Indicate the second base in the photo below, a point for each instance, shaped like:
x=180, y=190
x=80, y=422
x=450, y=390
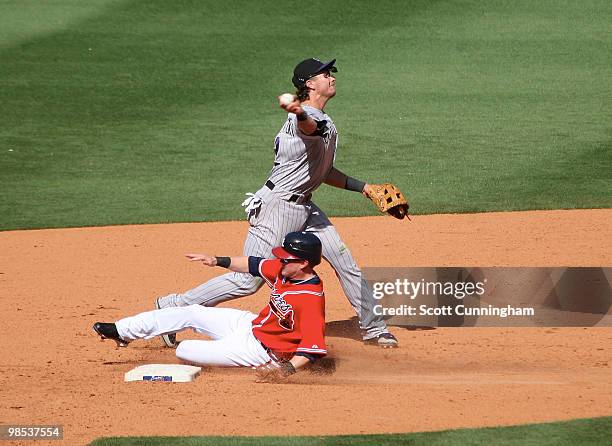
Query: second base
x=177, y=373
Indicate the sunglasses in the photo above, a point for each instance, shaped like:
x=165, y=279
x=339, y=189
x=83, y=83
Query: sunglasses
x=286, y=261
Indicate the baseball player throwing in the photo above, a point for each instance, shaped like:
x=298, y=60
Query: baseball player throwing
x=304, y=148
x=285, y=336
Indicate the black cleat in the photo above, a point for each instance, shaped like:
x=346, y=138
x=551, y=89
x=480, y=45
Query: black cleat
x=108, y=330
x=384, y=340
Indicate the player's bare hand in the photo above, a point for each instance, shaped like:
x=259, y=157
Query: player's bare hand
x=290, y=106
x=274, y=372
x=205, y=259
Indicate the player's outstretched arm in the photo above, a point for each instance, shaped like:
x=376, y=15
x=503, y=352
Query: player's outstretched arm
x=341, y=180
x=299, y=361
x=306, y=124
x=236, y=264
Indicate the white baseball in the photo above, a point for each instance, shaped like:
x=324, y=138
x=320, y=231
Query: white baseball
x=286, y=98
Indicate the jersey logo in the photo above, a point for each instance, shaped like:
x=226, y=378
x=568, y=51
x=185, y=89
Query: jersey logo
x=282, y=310
x=326, y=131
x=323, y=130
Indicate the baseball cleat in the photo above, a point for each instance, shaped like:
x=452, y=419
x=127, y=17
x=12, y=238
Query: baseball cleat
x=108, y=330
x=384, y=340
x=169, y=339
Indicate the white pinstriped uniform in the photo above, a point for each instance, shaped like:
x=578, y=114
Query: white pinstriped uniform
x=301, y=164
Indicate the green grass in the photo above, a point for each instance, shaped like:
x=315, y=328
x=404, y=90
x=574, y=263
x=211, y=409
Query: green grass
x=594, y=431
x=140, y=111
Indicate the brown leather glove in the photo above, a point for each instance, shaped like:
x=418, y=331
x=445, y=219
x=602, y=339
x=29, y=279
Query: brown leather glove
x=388, y=198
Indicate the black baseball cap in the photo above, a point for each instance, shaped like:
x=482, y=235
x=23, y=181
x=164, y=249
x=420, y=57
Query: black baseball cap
x=309, y=68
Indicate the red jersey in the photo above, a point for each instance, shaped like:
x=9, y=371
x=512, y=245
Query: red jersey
x=294, y=320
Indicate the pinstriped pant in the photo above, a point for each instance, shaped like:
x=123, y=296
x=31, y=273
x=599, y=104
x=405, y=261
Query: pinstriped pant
x=275, y=218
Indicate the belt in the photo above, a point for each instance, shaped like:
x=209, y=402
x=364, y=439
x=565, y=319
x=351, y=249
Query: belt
x=295, y=198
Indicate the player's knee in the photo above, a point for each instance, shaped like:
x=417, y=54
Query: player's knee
x=185, y=351
x=250, y=284
x=350, y=269
x=191, y=312
x=253, y=287
x=182, y=350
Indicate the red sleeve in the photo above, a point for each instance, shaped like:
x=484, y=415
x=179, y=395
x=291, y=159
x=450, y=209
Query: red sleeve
x=311, y=320
x=269, y=269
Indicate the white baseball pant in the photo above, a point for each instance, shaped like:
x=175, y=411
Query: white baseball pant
x=233, y=343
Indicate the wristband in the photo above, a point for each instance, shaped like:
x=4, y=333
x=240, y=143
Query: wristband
x=224, y=262
x=354, y=184
x=302, y=116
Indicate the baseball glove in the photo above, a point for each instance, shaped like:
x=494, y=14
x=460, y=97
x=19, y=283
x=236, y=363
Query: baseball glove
x=274, y=372
x=388, y=198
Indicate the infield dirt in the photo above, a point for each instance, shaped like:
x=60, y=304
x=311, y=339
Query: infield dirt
x=56, y=283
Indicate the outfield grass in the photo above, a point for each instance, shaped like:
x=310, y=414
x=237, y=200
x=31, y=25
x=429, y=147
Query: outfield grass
x=593, y=431
x=141, y=111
